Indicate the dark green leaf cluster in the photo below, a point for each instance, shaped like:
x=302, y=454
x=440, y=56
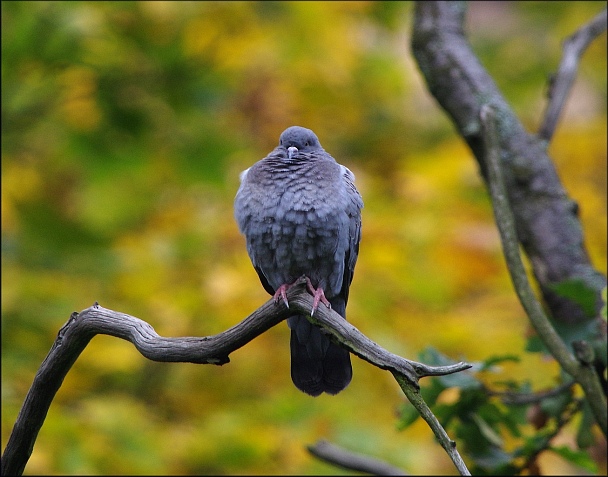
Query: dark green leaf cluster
x=502, y=428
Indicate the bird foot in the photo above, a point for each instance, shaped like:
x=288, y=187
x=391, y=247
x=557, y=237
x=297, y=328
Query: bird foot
x=318, y=296
x=317, y=293
x=281, y=293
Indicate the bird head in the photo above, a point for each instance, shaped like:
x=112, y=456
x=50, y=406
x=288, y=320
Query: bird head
x=298, y=139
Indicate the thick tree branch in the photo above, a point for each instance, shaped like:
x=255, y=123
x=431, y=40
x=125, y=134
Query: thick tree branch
x=546, y=220
x=74, y=336
x=581, y=371
x=559, y=88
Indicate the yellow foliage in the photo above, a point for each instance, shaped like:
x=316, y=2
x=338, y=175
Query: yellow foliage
x=79, y=105
x=125, y=126
x=21, y=182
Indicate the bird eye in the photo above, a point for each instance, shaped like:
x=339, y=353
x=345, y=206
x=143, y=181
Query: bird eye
x=307, y=143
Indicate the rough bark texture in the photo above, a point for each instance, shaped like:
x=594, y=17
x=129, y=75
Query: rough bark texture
x=547, y=220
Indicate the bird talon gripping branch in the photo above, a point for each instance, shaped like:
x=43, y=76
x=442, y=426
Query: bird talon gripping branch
x=281, y=294
x=318, y=296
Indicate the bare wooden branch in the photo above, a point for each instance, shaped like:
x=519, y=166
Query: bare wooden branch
x=74, y=336
x=559, y=88
x=340, y=457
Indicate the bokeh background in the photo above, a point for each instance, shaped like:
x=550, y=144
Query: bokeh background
x=124, y=128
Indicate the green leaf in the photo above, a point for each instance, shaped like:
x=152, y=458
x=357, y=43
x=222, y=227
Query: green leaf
x=535, y=345
x=463, y=380
x=430, y=393
x=580, y=458
x=601, y=351
x=569, y=332
x=584, y=435
x=578, y=291
x=555, y=405
x=494, y=461
x=486, y=430
x=432, y=357
x=497, y=359
x=531, y=445
x=407, y=416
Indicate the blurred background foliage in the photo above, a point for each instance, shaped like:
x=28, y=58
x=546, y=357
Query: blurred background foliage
x=124, y=128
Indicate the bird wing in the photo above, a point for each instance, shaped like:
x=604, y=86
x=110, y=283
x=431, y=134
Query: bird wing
x=264, y=281
x=353, y=209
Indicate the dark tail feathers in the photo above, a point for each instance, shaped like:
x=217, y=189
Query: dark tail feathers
x=317, y=364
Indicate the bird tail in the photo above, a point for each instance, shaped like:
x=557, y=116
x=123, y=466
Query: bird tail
x=317, y=364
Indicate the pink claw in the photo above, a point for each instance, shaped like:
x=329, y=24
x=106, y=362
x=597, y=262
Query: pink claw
x=281, y=293
x=319, y=296
x=317, y=293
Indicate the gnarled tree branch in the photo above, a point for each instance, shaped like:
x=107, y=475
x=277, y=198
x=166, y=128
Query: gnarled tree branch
x=74, y=336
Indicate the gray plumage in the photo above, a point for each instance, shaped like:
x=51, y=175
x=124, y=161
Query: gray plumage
x=301, y=215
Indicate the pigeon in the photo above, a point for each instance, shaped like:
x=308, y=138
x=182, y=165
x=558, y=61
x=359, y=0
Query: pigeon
x=300, y=213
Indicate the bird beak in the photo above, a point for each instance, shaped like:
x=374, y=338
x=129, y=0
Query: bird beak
x=291, y=151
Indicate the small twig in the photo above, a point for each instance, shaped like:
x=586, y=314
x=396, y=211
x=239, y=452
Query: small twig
x=338, y=456
x=582, y=373
x=520, y=399
x=573, y=49
x=425, y=412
